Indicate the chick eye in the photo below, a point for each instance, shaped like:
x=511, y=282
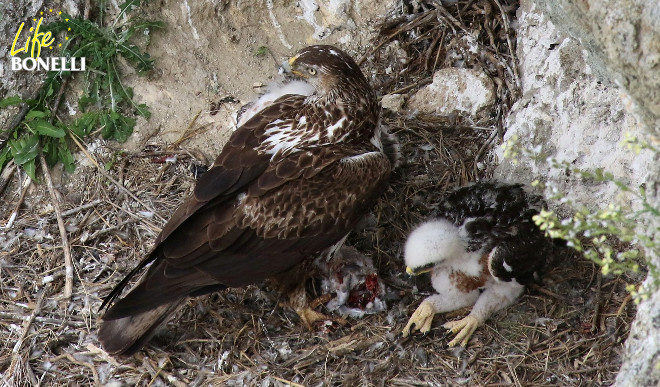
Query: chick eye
x=311, y=70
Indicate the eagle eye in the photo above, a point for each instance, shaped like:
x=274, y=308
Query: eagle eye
x=311, y=70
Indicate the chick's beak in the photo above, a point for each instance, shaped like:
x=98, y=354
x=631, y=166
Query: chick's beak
x=419, y=270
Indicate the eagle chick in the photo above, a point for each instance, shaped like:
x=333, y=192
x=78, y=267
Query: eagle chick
x=481, y=251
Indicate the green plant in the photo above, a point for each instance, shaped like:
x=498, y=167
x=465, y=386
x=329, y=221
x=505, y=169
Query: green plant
x=106, y=103
x=615, y=237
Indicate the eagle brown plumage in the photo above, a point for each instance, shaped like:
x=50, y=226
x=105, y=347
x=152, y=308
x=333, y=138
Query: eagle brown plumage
x=290, y=184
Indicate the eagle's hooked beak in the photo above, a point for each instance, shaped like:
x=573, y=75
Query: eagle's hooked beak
x=288, y=65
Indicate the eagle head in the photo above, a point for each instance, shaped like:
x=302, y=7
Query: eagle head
x=327, y=68
x=432, y=243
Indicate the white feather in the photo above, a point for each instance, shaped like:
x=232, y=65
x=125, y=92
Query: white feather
x=274, y=92
x=332, y=128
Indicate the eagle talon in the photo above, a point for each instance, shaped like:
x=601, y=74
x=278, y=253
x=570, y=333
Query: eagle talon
x=420, y=320
x=463, y=328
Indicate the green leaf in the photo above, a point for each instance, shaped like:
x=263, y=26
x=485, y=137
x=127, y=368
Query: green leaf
x=128, y=5
x=84, y=124
x=5, y=156
x=30, y=168
x=143, y=110
x=13, y=100
x=66, y=157
x=50, y=151
x=32, y=114
x=23, y=150
x=47, y=129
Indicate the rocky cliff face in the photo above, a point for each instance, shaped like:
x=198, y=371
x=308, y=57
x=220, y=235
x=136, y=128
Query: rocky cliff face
x=589, y=75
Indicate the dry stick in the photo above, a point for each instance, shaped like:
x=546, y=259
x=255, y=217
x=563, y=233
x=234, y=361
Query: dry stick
x=6, y=175
x=290, y=383
x=26, y=184
x=597, y=309
x=81, y=208
x=115, y=182
x=28, y=322
x=482, y=149
x=44, y=320
x=505, y=20
x=69, y=357
x=68, y=262
x=26, y=327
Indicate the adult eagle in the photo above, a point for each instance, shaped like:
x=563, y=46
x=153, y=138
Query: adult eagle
x=300, y=171
x=481, y=252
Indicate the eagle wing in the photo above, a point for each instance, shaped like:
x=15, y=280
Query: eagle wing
x=255, y=214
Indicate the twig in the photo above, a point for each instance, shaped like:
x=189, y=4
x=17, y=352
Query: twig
x=28, y=322
x=623, y=305
x=44, y=320
x=598, y=303
x=60, y=93
x=339, y=347
x=482, y=149
x=505, y=21
x=290, y=383
x=4, y=136
x=115, y=182
x=68, y=262
x=110, y=228
x=423, y=82
x=9, y=170
x=16, y=358
x=14, y=214
x=68, y=356
x=83, y=207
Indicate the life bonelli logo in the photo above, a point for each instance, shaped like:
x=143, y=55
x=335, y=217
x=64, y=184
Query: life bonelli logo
x=26, y=49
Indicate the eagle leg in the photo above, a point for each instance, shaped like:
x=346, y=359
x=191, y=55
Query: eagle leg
x=420, y=320
x=463, y=328
x=305, y=310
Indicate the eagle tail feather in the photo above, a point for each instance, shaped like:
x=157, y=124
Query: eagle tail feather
x=126, y=335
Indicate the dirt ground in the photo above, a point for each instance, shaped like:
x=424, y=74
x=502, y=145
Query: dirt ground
x=568, y=332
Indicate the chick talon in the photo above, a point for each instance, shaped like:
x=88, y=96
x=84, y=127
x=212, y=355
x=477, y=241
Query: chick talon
x=420, y=320
x=463, y=328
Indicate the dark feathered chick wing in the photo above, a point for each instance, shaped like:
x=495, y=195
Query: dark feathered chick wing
x=494, y=214
x=291, y=182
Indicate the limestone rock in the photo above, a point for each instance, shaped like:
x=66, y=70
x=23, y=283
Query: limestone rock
x=393, y=102
x=623, y=40
x=455, y=90
x=574, y=109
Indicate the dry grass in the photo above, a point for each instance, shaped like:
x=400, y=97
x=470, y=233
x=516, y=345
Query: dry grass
x=569, y=332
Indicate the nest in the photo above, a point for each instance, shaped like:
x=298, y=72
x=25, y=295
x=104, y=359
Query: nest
x=568, y=332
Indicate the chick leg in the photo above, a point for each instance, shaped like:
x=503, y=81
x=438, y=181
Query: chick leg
x=463, y=328
x=498, y=296
x=420, y=320
x=450, y=300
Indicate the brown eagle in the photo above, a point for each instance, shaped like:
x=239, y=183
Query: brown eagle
x=296, y=176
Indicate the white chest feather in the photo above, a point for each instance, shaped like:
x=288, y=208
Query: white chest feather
x=274, y=92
